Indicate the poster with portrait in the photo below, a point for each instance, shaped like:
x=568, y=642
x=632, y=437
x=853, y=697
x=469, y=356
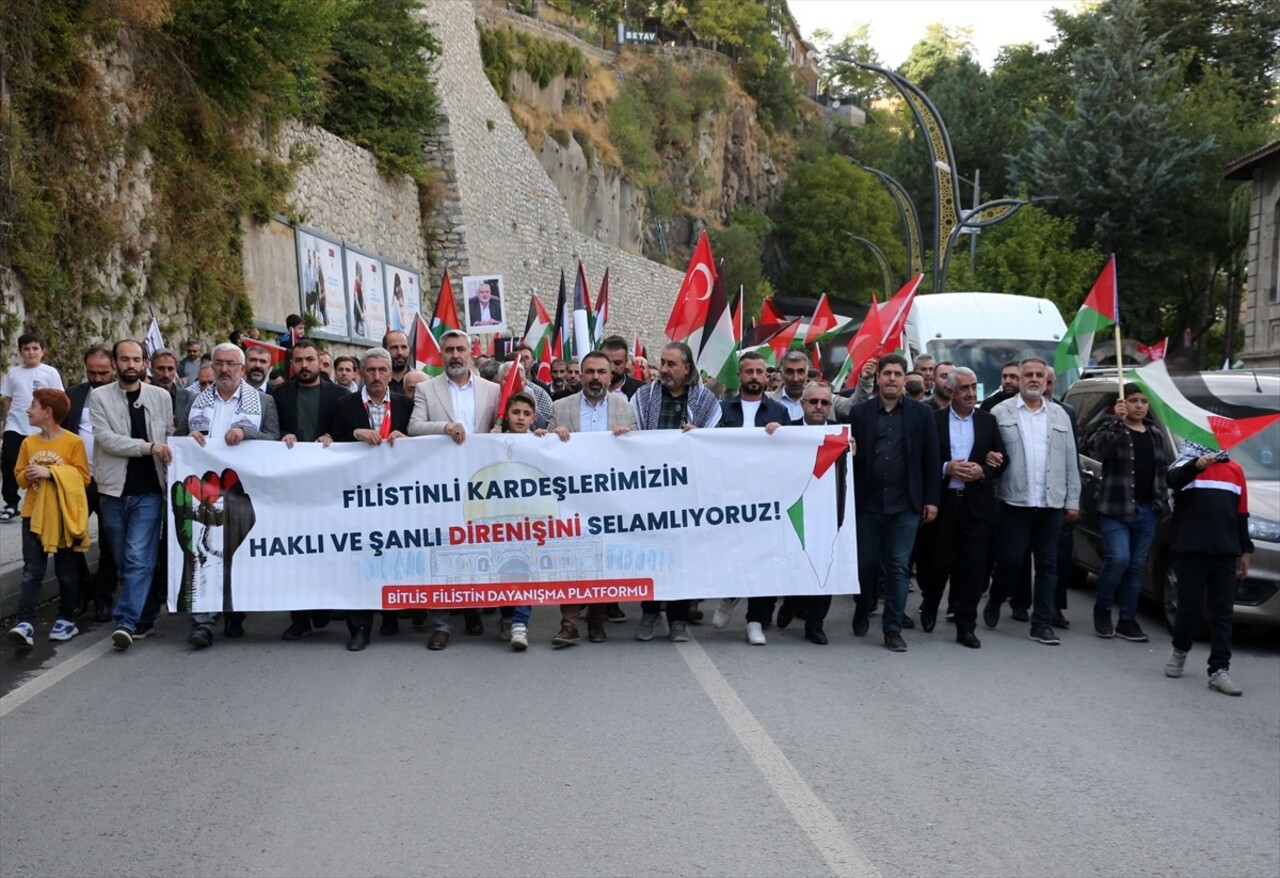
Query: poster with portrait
x=486, y=310
x=403, y=296
x=366, y=306
x=321, y=284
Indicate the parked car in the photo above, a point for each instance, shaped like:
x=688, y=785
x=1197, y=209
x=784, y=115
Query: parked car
x=1258, y=596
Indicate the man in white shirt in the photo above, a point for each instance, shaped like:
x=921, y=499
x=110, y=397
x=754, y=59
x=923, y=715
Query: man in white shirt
x=1040, y=490
x=454, y=404
x=795, y=375
x=16, y=392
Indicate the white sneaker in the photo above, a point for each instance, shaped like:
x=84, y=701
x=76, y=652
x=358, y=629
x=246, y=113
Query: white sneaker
x=519, y=637
x=755, y=634
x=724, y=610
x=23, y=633
x=63, y=630
x=1222, y=682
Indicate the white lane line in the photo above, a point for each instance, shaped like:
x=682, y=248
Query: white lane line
x=27, y=691
x=809, y=812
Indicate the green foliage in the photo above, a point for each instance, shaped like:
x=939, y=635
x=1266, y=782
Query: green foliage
x=739, y=246
x=822, y=202
x=845, y=80
x=938, y=45
x=505, y=50
x=1030, y=254
x=631, y=122
x=382, y=96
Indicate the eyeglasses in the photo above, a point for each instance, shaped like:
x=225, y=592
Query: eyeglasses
x=818, y=401
x=225, y=364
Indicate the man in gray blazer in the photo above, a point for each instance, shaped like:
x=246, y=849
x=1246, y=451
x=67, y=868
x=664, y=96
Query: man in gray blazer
x=1040, y=489
x=591, y=410
x=454, y=404
x=457, y=402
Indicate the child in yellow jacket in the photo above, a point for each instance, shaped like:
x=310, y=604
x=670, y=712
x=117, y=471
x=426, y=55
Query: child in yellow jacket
x=39, y=473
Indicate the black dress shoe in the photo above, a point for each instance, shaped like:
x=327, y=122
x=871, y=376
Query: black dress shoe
x=320, y=618
x=359, y=639
x=1020, y=615
x=233, y=627
x=296, y=631
x=815, y=635
x=907, y=622
x=894, y=643
x=861, y=623
x=991, y=614
x=928, y=620
x=102, y=609
x=786, y=613
x=474, y=624
x=969, y=639
x=390, y=625
x=438, y=640
x=1060, y=621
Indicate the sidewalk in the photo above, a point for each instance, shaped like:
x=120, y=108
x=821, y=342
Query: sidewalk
x=11, y=565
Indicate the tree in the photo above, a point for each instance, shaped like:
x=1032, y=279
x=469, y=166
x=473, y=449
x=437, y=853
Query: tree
x=738, y=246
x=845, y=80
x=1118, y=160
x=939, y=43
x=820, y=202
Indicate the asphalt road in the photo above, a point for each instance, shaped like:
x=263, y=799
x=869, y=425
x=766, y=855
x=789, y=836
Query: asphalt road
x=266, y=758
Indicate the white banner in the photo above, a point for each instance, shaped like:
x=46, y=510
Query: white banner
x=511, y=519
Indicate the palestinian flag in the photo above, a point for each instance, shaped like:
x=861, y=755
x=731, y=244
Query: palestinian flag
x=426, y=348
x=718, y=354
x=1191, y=411
x=829, y=485
x=581, y=319
x=769, y=312
x=446, y=313
x=600, y=317
x=823, y=323
x=1100, y=310
x=278, y=353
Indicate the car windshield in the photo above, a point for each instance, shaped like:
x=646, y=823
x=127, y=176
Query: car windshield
x=987, y=356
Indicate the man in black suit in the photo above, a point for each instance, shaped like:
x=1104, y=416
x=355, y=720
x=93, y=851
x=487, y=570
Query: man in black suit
x=305, y=405
x=484, y=308
x=615, y=348
x=98, y=371
x=970, y=459
x=372, y=416
x=896, y=489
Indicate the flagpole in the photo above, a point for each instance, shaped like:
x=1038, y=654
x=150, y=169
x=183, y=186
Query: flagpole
x=1119, y=362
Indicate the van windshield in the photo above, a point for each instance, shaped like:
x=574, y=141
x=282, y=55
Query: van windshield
x=987, y=356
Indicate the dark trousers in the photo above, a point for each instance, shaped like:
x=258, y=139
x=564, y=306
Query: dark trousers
x=35, y=561
x=884, y=552
x=1209, y=582
x=1035, y=529
x=760, y=610
x=102, y=585
x=815, y=609
x=954, y=547
x=677, y=611
x=8, y=460
x=1021, y=598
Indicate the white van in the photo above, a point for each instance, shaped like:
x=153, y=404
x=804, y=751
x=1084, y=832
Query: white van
x=984, y=331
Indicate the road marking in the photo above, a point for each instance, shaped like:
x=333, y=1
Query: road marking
x=27, y=691
x=809, y=812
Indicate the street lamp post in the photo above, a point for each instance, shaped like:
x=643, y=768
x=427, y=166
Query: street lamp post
x=886, y=271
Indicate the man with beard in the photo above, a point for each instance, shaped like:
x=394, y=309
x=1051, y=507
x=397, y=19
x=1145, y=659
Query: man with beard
x=228, y=413
x=98, y=371
x=372, y=416
x=1040, y=490
x=396, y=343
x=941, y=397
x=559, y=379
x=621, y=380
x=455, y=404
x=1010, y=374
x=593, y=410
x=164, y=370
x=795, y=375
x=131, y=423
x=751, y=408
x=257, y=370
x=573, y=376
x=676, y=401
x=955, y=546
x=305, y=405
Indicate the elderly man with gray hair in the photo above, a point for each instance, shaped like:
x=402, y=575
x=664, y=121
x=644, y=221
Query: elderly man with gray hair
x=954, y=546
x=227, y=412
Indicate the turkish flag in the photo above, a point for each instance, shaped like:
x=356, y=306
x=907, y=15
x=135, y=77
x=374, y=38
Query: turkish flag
x=689, y=314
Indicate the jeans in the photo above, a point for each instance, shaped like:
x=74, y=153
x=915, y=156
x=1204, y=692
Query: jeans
x=34, y=563
x=133, y=527
x=1207, y=581
x=1124, y=547
x=885, y=541
x=1037, y=529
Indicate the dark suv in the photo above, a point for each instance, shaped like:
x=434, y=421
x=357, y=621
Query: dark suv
x=1258, y=596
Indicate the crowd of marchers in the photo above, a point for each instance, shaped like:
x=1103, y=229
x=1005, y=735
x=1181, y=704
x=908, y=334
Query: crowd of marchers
x=971, y=497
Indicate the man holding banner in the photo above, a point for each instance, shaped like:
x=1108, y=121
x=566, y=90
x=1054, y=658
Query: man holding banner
x=676, y=401
x=373, y=416
x=454, y=404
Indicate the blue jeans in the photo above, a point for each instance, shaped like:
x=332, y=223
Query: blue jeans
x=35, y=561
x=1124, y=547
x=133, y=528
x=885, y=541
